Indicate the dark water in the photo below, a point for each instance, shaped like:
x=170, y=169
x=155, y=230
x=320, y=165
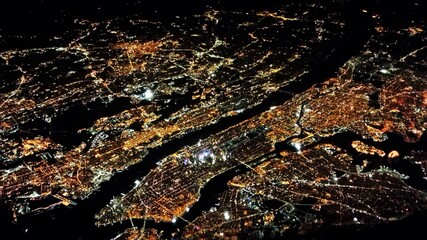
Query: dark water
x=44, y=19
